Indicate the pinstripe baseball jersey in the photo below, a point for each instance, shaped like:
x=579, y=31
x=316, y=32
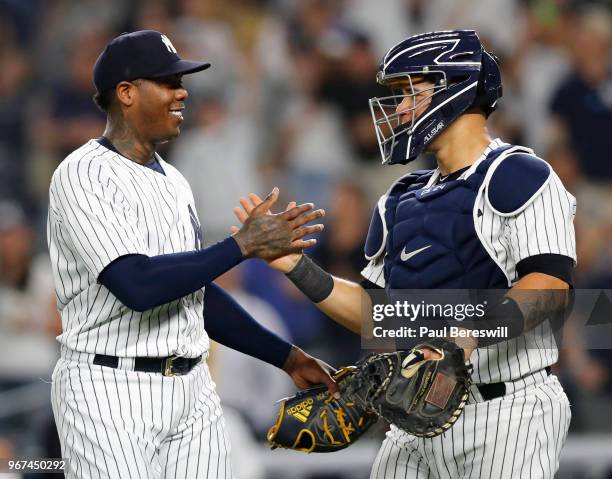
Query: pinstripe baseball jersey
x=103, y=206
x=544, y=225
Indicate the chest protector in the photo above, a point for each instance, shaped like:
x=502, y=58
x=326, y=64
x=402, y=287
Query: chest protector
x=429, y=235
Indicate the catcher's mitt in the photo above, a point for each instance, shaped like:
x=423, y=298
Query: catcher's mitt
x=423, y=397
x=313, y=421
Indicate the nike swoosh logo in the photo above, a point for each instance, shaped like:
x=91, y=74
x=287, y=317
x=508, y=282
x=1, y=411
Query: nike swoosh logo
x=406, y=256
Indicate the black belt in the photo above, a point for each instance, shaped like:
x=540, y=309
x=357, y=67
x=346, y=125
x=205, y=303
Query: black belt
x=170, y=366
x=495, y=390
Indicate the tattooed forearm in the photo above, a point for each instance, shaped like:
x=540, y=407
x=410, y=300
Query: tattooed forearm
x=538, y=306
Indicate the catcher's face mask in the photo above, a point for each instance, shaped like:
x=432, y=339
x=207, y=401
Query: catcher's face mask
x=398, y=116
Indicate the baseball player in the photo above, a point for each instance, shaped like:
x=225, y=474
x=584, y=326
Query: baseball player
x=132, y=395
x=491, y=215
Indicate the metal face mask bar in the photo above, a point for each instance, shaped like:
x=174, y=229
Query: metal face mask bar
x=387, y=117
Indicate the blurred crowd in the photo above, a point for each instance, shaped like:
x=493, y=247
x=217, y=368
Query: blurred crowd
x=286, y=103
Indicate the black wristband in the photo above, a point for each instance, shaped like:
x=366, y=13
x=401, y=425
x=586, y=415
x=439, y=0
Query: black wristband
x=312, y=280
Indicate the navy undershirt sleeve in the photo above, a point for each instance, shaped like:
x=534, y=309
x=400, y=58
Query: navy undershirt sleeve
x=142, y=282
x=229, y=324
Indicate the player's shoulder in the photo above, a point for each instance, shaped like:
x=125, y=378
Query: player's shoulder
x=82, y=160
x=515, y=180
x=168, y=168
x=172, y=172
x=90, y=152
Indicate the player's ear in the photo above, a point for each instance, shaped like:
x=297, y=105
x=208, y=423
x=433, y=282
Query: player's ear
x=125, y=92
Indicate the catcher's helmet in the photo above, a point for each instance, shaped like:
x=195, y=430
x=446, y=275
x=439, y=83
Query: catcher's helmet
x=463, y=74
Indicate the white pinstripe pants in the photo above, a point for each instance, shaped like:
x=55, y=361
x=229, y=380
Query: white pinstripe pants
x=519, y=435
x=117, y=423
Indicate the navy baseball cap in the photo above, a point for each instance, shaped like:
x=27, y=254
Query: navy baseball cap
x=141, y=54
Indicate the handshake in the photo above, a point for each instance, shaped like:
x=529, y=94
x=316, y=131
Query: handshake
x=271, y=236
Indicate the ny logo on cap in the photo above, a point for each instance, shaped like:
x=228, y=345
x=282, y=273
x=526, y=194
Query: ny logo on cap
x=168, y=43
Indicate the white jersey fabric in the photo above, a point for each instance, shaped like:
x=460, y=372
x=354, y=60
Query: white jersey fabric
x=103, y=206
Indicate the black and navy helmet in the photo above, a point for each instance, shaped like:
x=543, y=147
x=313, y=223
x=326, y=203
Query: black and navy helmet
x=462, y=74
